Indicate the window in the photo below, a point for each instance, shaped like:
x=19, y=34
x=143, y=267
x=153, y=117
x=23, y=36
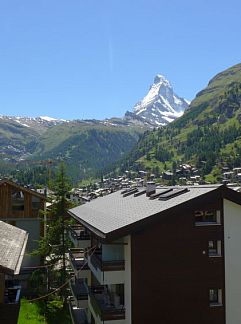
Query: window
x=215, y=297
x=17, y=201
x=207, y=217
x=36, y=203
x=214, y=248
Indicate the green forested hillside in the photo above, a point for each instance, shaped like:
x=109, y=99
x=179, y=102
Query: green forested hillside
x=15, y=139
x=208, y=135
x=87, y=148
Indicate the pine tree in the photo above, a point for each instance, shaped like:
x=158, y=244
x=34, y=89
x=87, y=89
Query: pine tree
x=54, y=245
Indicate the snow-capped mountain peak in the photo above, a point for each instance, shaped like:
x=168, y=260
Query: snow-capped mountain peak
x=160, y=79
x=161, y=105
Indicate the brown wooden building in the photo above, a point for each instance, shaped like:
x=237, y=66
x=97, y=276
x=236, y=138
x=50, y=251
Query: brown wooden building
x=168, y=256
x=20, y=206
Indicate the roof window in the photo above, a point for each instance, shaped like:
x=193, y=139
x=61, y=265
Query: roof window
x=172, y=193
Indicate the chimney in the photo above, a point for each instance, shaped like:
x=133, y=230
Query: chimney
x=150, y=188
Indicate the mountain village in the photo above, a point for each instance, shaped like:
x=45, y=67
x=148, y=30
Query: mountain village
x=138, y=244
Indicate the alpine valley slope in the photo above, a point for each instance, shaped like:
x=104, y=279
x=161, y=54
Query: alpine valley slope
x=208, y=134
x=86, y=146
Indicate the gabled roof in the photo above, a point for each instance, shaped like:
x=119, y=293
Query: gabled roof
x=13, y=241
x=32, y=192
x=109, y=215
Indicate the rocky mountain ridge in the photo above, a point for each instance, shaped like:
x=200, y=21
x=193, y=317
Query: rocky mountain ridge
x=161, y=105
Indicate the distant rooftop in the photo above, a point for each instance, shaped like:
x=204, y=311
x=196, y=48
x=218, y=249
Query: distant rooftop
x=13, y=241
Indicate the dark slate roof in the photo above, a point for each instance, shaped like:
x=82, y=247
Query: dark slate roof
x=110, y=213
x=13, y=241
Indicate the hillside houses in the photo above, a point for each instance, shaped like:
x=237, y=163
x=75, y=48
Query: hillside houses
x=186, y=174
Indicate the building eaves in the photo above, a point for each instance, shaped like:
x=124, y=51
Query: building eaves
x=112, y=214
x=13, y=241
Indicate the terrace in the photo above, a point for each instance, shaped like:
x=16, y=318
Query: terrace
x=78, y=315
x=79, y=236
x=77, y=259
x=105, y=304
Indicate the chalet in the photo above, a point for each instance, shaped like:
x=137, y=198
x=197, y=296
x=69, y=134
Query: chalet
x=167, y=255
x=167, y=175
x=12, y=246
x=20, y=206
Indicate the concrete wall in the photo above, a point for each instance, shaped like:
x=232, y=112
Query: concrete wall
x=232, y=248
x=33, y=227
x=111, y=278
x=127, y=288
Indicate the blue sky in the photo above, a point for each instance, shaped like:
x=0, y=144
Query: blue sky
x=96, y=59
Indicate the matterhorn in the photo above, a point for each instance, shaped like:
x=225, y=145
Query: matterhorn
x=161, y=105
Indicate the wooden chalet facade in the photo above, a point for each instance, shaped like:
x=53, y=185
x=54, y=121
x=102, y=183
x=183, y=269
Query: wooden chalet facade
x=20, y=206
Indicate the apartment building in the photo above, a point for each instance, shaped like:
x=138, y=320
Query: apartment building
x=12, y=246
x=166, y=255
x=20, y=206
x=80, y=273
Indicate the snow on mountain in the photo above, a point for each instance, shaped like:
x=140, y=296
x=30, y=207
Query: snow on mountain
x=161, y=105
x=49, y=119
x=42, y=121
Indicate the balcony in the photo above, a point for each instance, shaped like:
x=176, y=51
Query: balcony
x=77, y=260
x=106, y=271
x=79, y=291
x=105, y=305
x=112, y=265
x=79, y=236
x=78, y=315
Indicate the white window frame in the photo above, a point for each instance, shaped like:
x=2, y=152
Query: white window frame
x=205, y=223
